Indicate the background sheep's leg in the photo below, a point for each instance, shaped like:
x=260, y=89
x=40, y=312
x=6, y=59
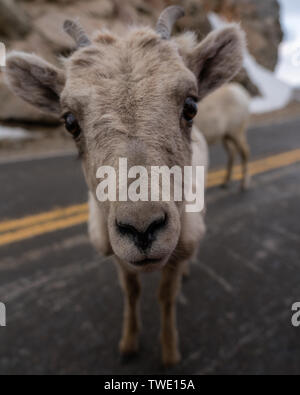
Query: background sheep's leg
x=169, y=288
x=244, y=150
x=231, y=151
x=131, y=324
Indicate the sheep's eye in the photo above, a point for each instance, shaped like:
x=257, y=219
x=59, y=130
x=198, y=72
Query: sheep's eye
x=72, y=125
x=190, y=109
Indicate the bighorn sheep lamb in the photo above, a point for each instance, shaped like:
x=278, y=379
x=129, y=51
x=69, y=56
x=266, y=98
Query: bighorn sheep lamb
x=224, y=116
x=135, y=97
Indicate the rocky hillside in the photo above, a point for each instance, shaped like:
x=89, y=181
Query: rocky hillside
x=35, y=26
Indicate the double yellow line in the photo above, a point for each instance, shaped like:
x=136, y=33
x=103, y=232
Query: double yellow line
x=260, y=166
x=36, y=225
x=16, y=230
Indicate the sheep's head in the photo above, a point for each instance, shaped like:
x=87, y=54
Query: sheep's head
x=132, y=97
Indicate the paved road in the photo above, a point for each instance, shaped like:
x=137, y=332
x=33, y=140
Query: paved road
x=64, y=305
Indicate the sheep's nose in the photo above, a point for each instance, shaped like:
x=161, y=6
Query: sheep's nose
x=142, y=239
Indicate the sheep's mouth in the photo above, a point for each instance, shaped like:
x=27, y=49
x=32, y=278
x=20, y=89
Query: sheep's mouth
x=146, y=262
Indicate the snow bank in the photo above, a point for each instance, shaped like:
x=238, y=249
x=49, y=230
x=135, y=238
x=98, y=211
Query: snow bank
x=8, y=133
x=275, y=93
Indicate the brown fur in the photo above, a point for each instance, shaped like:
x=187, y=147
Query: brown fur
x=127, y=94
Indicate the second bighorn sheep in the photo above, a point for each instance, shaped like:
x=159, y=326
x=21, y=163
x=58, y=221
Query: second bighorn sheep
x=135, y=97
x=224, y=116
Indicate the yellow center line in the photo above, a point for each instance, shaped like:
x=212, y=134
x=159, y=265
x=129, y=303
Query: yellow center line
x=16, y=230
x=257, y=167
x=39, y=218
x=37, y=230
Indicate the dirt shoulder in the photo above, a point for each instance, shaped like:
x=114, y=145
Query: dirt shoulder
x=49, y=141
x=290, y=112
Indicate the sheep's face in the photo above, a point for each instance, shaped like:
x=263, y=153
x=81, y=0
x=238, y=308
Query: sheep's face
x=129, y=97
x=135, y=98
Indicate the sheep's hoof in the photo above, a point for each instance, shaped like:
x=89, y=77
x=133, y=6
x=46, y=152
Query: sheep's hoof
x=171, y=359
x=226, y=185
x=246, y=185
x=128, y=350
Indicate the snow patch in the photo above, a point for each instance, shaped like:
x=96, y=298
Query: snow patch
x=8, y=133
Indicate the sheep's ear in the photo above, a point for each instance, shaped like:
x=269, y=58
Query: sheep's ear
x=35, y=81
x=218, y=58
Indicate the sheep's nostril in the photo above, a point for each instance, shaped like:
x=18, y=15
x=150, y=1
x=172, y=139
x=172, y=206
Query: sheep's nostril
x=156, y=226
x=143, y=240
x=126, y=229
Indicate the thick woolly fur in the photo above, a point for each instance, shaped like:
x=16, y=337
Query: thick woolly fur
x=127, y=94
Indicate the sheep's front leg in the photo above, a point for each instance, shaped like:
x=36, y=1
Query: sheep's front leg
x=169, y=288
x=131, y=321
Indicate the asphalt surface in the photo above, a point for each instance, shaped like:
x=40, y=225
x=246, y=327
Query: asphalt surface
x=64, y=305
